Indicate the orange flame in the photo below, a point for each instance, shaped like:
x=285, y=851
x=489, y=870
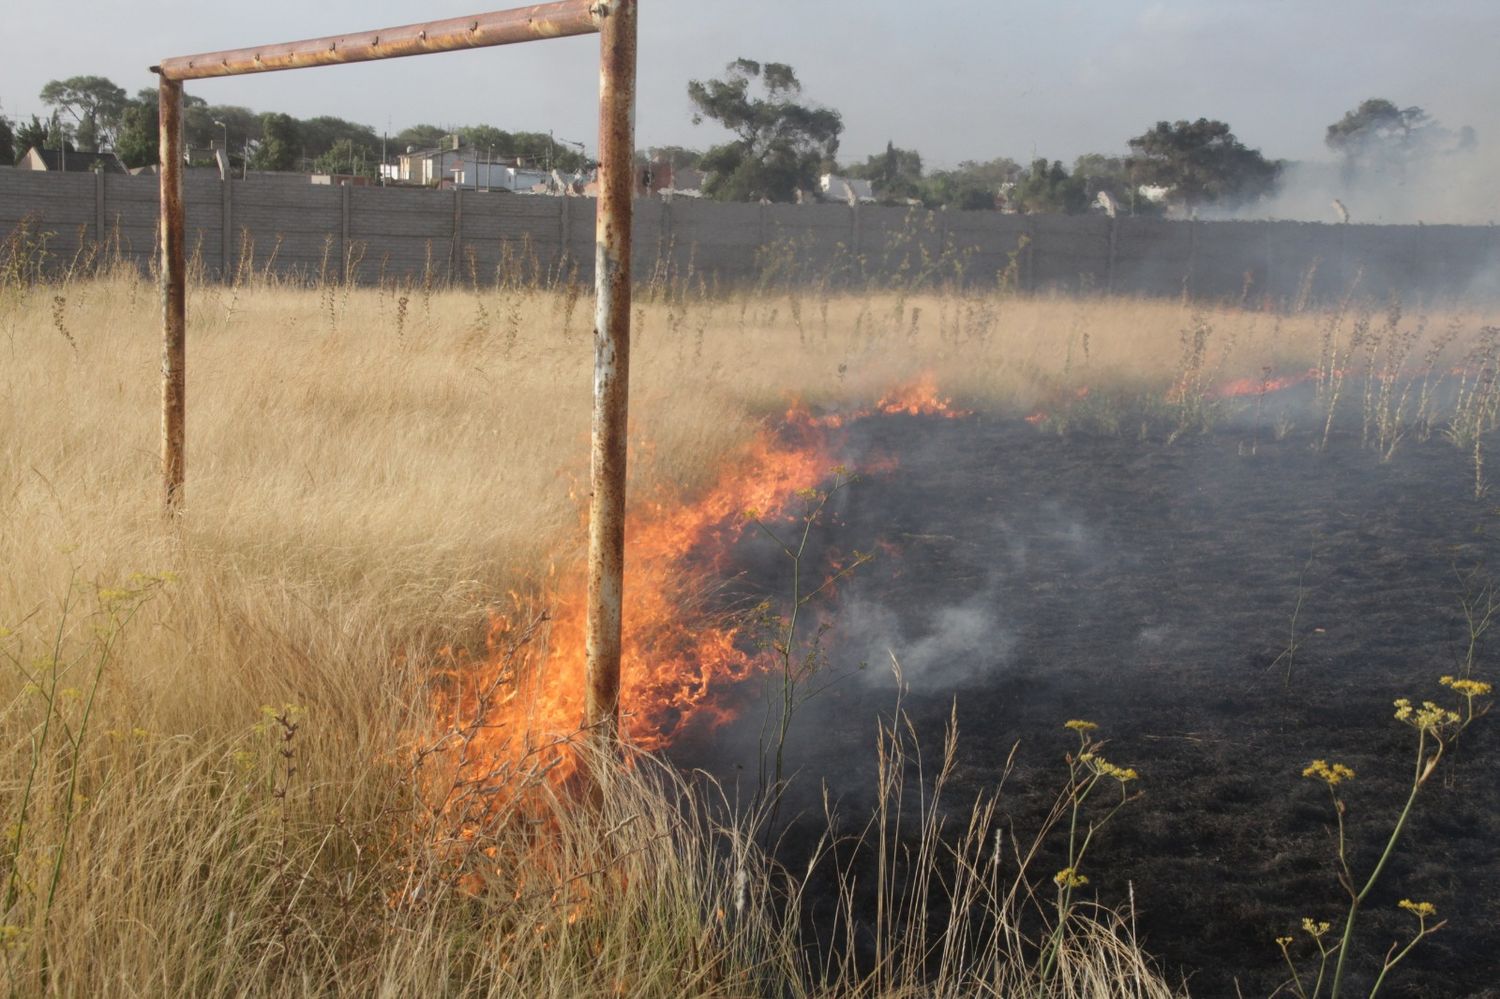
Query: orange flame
x=677, y=654
x=1241, y=387
x=919, y=398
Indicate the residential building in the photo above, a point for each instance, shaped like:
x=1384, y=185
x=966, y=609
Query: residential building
x=70, y=161
x=835, y=188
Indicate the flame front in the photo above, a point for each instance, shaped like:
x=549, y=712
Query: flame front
x=678, y=652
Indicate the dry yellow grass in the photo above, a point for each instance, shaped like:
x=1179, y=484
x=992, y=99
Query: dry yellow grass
x=366, y=477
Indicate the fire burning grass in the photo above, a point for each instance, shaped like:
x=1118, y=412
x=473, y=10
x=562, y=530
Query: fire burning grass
x=369, y=471
x=681, y=654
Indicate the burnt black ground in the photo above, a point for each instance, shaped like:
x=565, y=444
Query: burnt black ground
x=1149, y=586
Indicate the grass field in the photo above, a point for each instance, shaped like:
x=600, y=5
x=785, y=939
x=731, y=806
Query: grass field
x=215, y=772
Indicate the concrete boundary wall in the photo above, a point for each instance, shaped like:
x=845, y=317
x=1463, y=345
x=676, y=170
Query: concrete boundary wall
x=297, y=230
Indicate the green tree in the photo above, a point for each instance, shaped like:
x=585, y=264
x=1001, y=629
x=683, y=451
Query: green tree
x=1045, y=189
x=679, y=157
x=1202, y=163
x=972, y=186
x=541, y=148
x=280, y=143
x=348, y=158
x=7, y=141
x=137, y=141
x=484, y=138
x=896, y=174
x=419, y=137
x=95, y=103
x=781, y=143
x=241, y=125
x=1377, y=124
x=1382, y=138
x=1098, y=173
x=31, y=134
x=320, y=135
x=1115, y=176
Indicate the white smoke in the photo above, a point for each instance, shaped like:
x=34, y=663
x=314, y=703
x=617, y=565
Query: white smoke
x=1450, y=188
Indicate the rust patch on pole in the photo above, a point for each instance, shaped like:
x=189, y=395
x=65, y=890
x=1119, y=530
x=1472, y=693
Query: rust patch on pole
x=173, y=297
x=611, y=365
x=505, y=27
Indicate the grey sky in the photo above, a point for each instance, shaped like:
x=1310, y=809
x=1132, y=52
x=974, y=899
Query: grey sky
x=963, y=80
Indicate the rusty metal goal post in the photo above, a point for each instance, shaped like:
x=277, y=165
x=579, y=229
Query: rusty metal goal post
x=615, y=22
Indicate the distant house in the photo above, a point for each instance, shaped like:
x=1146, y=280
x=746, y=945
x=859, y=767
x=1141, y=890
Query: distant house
x=455, y=165
x=430, y=167
x=684, y=182
x=341, y=180
x=835, y=188
x=67, y=161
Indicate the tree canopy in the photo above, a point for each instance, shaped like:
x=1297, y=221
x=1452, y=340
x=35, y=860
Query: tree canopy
x=1202, y=162
x=347, y=157
x=1049, y=189
x=1380, y=137
x=280, y=144
x=781, y=143
x=96, y=104
x=895, y=175
x=8, y=152
x=1376, y=123
x=972, y=185
x=31, y=133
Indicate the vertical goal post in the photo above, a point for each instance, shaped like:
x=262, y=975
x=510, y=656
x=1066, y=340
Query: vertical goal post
x=615, y=22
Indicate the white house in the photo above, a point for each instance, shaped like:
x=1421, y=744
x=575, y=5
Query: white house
x=836, y=188
x=455, y=165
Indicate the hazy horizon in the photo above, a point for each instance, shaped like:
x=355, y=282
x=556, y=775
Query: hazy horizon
x=958, y=81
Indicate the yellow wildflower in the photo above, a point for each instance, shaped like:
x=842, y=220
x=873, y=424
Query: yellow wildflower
x=1469, y=688
x=1069, y=878
x=1079, y=725
x=1428, y=718
x=1331, y=774
x=1282, y=942
x=1103, y=768
x=1315, y=930
x=1419, y=909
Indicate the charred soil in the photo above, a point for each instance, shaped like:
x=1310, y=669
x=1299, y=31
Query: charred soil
x=1156, y=588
